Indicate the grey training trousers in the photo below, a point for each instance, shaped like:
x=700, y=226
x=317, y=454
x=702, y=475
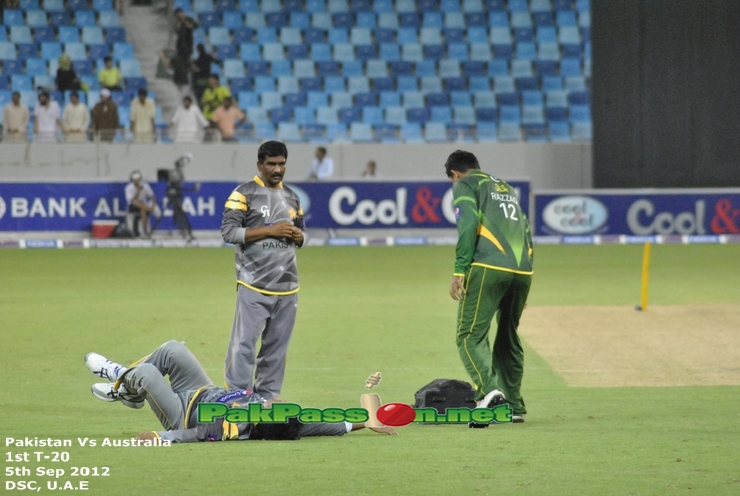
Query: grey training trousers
x=169, y=400
x=272, y=318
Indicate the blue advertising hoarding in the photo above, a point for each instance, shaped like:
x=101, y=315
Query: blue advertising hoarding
x=638, y=212
x=327, y=205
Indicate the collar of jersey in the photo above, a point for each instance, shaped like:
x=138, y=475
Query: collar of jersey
x=258, y=180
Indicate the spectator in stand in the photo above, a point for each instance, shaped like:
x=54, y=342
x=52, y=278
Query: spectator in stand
x=202, y=71
x=322, y=167
x=75, y=120
x=67, y=79
x=184, y=27
x=142, y=118
x=214, y=96
x=110, y=77
x=46, y=119
x=188, y=122
x=370, y=170
x=105, y=120
x=180, y=68
x=15, y=120
x=227, y=117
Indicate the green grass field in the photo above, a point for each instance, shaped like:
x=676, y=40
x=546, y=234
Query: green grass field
x=361, y=311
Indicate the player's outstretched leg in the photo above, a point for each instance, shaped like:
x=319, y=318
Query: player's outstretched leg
x=102, y=367
x=105, y=391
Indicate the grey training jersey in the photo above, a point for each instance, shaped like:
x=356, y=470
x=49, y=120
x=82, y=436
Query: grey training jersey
x=268, y=265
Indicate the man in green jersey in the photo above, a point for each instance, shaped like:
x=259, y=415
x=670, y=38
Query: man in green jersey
x=493, y=273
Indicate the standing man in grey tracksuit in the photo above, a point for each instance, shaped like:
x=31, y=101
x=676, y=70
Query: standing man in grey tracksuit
x=264, y=219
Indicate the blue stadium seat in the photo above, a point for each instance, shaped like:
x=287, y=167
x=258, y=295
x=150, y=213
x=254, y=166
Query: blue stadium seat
x=473, y=68
x=314, y=132
x=508, y=99
x=386, y=133
x=108, y=18
x=425, y=68
x=454, y=35
x=431, y=19
x=480, y=52
x=337, y=6
x=546, y=35
x=535, y=132
x=454, y=20
x=297, y=52
x=36, y=67
x=314, y=35
x=527, y=83
x=287, y=84
x=209, y=19
x=483, y=99
x=280, y=68
x=243, y=35
x=387, y=20
x=12, y=67
x=76, y=51
x=51, y=50
x=273, y=51
x=559, y=132
x=84, y=68
x=441, y=114
x=552, y=83
x=485, y=114
x=457, y=51
x=85, y=18
x=430, y=36
x=509, y=131
x=401, y=68
x=321, y=20
x=460, y=99
x=451, y=68
x=362, y=6
x=407, y=83
x=278, y=113
x=366, y=52
x=409, y=20
x=303, y=115
x=376, y=68
x=435, y=132
x=510, y=113
x=570, y=67
x=413, y=99
x=476, y=19
x=249, y=6
x=349, y=115
x=411, y=133
x=20, y=34
x=533, y=114
x=36, y=19
x=300, y=20
x=395, y=115
x=29, y=5
x=13, y=18
x=40, y=35
x=241, y=85
x=328, y=68
x=455, y=84
x=532, y=98
x=556, y=99
x=372, y=115
x=479, y=83
x=336, y=132
x=521, y=20
x=44, y=83
x=343, y=52
x=98, y=5
x=383, y=84
x=277, y=20
x=254, y=20
x=124, y=51
x=334, y=84
x=342, y=20
x=233, y=68
x=486, y=132
x=326, y=115
x=526, y=51
x=572, y=50
x=358, y=85
x=503, y=51
x=438, y=100
x=130, y=68
x=580, y=113
x=565, y=18
x=575, y=83
x=433, y=52
x=225, y=6
x=250, y=52
x=266, y=35
x=341, y=99
x=405, y=6
x=499, y=36
x=69, y=34
x=523, y=35
x=115, y=35
x=27, y=50
x=546, y=67
x=366, y=20
x=449, y=5
x=264, y=131
x=365, y=99
x=20, y=82
x=316, y=99
x=518, y=6
x=99, y=51
x=321, y=52
x=121, y=98
x=584, y=19
x=548, y=51
x=540, y=6
x=464, y=115
x=304, y=69
x=289, y=132
x=92, y=35
x=581, y=131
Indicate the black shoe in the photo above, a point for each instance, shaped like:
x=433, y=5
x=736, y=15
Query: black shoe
x=517, y=419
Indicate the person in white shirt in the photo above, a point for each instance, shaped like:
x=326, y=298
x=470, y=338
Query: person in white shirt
x=188, y=122
x=75, y=120
x=142, y=202
x=322, y=167
x=142, y=118
x=47, y=119
x=15, y=120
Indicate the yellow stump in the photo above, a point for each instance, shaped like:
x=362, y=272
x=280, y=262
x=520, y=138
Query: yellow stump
x=645, y=276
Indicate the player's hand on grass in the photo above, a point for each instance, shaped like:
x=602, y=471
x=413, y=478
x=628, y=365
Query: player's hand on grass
x=146, y=436
x=457, y=290
x=384, y=430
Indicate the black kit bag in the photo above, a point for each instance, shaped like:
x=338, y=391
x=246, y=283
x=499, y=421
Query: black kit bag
x=441, y=394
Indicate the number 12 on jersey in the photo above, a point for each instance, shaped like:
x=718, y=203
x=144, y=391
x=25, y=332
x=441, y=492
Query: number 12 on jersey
x=509, y=210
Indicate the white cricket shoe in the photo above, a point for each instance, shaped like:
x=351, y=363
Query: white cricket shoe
x=104, y=391
x=492, y=399
x=102, y=367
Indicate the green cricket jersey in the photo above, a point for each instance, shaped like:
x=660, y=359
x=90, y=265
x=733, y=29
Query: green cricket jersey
x=493, y=231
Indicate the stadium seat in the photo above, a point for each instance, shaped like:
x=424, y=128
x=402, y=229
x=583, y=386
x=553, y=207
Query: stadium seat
x=464, y=115
x=411, y=133
x=336, y=132
x=115, y=35
x=479, y=83
x=386, y=133
x=581, y=131
x=108, y=18
x=130, y=68
x=366, y=99
x=559, y=132
x=40, y=35
x=341, y=99
x=451, y=68
x=440, y=114
x=460, y=99
x=85, y=18
x=395, y=115
x=372, y=115
x=12, y=67
x=21, y=34
x=13, y=18
x=413, y=99
x=225, y=6
x=27, y=50
x=349, y=115
x=84, y=68
x=435, y=132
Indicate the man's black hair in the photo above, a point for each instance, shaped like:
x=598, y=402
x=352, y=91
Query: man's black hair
x=44, y=93
x=215, y=76
x=461, y=161
x=272, y=149
x=74, y=93
x=322, y=150
x=178, y=10
x=277, y=432
x=142, y=91
x=188, y=98
x=108, y=58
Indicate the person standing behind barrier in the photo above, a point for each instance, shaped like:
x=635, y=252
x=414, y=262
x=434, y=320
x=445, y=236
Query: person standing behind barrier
x=264, y=220
x=322, y=166
x=176, y=177
x=15, y=120
x=105, y=120
x=180, y=68
x=227, y=117
x=47, y=119
x=202, y=71
x=188, y=122
x=75, y=120
x=142, y=118
x=214, y=96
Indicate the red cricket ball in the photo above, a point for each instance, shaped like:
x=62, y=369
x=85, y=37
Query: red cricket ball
x=396, y=414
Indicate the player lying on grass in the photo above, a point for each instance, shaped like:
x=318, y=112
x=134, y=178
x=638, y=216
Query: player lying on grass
x=175, y=403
